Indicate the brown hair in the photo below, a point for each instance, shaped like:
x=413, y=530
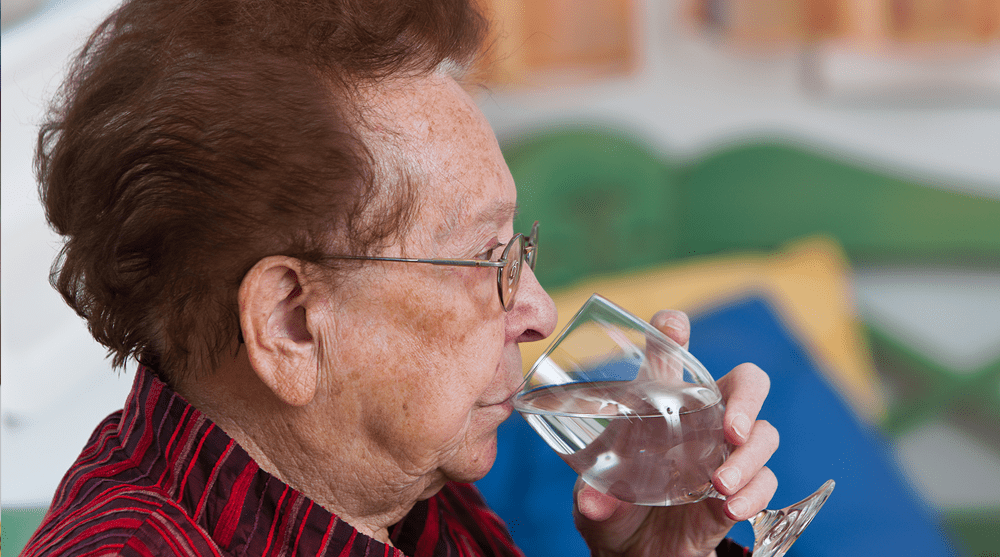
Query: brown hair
x=193, y=138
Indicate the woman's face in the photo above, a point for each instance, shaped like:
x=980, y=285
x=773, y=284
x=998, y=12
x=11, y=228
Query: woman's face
x=420, y=360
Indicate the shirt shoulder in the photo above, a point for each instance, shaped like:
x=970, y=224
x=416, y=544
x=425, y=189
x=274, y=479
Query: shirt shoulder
x=129, y=522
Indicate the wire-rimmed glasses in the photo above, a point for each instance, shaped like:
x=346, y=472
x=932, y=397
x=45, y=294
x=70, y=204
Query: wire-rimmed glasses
x=521, y=250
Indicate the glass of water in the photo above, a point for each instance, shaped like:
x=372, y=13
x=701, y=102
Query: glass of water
x=640, y=419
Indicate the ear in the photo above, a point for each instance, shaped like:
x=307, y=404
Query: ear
x=274, y=303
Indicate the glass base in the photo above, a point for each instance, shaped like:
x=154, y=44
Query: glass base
x=775, y=531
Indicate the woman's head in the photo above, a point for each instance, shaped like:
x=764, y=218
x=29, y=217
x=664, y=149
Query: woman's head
x=208, y=164
x=193, y=139
x=404, y=371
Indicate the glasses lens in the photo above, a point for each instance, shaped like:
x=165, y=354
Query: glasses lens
x=510, y=274
x=531, y=247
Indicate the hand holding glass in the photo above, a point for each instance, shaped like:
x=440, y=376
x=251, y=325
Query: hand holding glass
x=639, y=418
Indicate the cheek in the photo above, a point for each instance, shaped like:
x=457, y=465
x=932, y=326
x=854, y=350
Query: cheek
x=430, y=347
x=425, y=417
x=450, y=310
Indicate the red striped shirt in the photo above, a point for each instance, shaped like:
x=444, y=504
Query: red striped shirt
x=158, y=478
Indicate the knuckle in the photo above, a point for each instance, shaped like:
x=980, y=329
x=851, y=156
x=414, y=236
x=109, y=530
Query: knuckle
x=746, y=368
x=754, y=374
x=769, y=481
x=670, y=317
x=769, y=433
x=674, y=323
x=772, y=478
x=761, y=378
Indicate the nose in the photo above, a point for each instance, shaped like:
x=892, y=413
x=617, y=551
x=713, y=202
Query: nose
x=533, y=316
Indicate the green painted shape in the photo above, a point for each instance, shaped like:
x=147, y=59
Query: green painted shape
x=976, y=530
x=16, y=527
x=759, y=196
x=937, y=389
x=604, y=203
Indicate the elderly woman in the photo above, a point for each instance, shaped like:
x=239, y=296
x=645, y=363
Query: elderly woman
x=230, y=177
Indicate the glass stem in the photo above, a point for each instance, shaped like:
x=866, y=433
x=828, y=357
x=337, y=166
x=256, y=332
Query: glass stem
x=774, y=532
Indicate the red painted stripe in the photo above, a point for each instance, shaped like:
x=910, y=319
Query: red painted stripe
x=302, y=527
x=158, y=510
x=108, y=429
x=230, y=517
x=326, y=536
x=104, y=550
x=429, y=537
x=83, y=471
x=149, y=501
x=66, y=523
x=194, y=458
x=290, y=515
x=165, y=536
x=95, y=530
x=182, y=430
x=346, y=552
x=274, y=522
x=212, y=478
x=139, y=548
x=184, y=532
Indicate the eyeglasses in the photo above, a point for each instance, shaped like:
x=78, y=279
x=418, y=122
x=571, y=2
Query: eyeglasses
x=521, y=250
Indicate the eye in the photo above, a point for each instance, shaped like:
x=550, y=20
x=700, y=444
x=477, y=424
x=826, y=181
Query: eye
x=489, y=253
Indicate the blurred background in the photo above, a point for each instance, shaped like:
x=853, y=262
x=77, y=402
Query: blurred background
x=817, y=182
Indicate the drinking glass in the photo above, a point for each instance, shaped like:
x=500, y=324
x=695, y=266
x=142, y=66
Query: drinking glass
x=640, y=419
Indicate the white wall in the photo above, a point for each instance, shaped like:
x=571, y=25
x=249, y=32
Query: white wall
x=690, y=95
x=57, y=385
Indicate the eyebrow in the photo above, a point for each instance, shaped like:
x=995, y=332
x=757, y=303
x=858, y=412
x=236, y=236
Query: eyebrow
x=498, y=211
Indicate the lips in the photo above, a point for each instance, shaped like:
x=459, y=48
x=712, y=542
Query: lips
x=508, y=378
x=508, y=394
x=507, y=399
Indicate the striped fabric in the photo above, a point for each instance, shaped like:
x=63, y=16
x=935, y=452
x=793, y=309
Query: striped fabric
x=729, y=548
x=158, y=478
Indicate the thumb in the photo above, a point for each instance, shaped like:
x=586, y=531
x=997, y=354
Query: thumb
x=605, y=522
x=594, y=505
x=674, y=324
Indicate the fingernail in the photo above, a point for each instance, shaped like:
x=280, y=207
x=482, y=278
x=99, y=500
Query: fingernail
x=737, y=507
x=742, y=426
x=674, y=324
x=730, y=478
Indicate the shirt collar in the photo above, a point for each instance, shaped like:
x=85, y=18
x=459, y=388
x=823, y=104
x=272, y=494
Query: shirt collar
x=243, y=508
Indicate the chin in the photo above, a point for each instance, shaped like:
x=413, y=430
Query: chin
x=478, y=464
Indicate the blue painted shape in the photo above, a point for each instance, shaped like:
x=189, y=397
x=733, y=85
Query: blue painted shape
x=872, y=511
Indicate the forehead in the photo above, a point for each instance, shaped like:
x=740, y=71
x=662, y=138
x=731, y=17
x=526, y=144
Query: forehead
x=462, y=178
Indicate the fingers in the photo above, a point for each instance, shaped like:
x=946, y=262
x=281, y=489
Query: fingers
x=744, y=390
x=662, y=362
x=746, y=460
x=674, y=324
x=754, y=496
x=743, y=478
